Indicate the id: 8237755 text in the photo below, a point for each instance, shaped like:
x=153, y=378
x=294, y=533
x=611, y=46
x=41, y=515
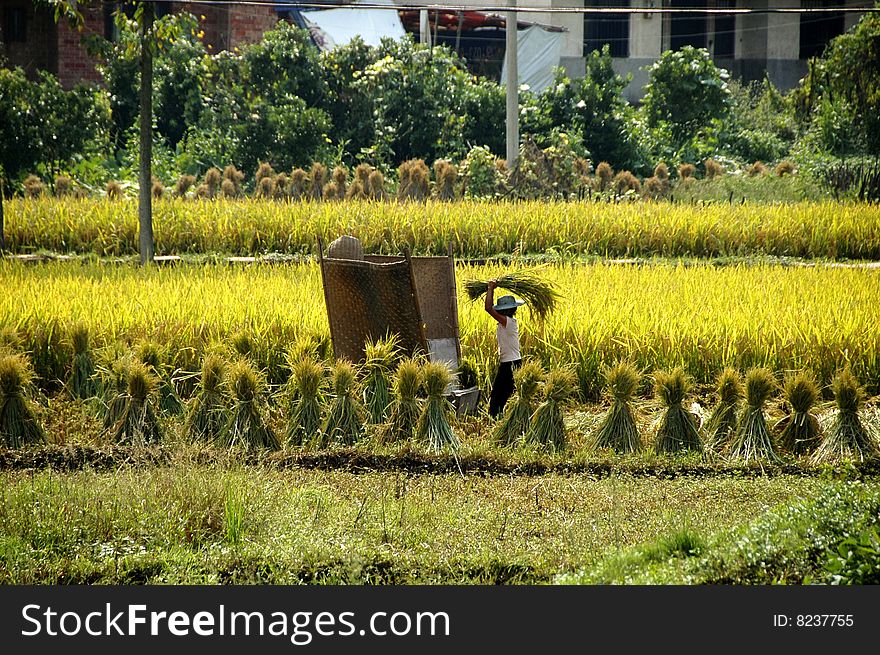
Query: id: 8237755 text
x=813, y=620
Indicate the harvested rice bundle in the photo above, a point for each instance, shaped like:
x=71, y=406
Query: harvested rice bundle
x=678, y=427
x=547, y=426
x=380, y=358
x=618, y=429
x=138, y=423
x=82, y=382
x=433, y=426
x=515, y=423
x=247, y=427
x=405, y=409
x=722, y=422
x=848, y=437
x=18, y=425
x=800, y=429
x=115, y=391
x=169, y=402
x=305, y=410
x=752, y=439
x=345, y=422
x=209, y=412
x=541, y=296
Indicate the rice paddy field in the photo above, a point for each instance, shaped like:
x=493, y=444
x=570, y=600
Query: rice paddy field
x=703, y=287
x=693, y=314
x=824, y=230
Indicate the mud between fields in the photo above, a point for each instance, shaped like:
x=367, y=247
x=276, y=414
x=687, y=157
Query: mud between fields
x=78, y=458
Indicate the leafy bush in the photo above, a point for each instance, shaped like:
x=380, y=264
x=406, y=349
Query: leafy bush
x=855, y=560
x=593, y=108
x=419, y=101
x=45, y=128
x=787, y=544
x=178, y=94
x=685, y=92
x=285, y=64
x=480, y=174
x=350, y=110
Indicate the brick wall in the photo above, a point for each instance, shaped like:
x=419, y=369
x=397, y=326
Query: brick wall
x=247, y=24
x=37, y=52
x=214, y=22
x=59, y=49
x=74, y=64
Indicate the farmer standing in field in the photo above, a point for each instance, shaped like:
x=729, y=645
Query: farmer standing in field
x=507, y=333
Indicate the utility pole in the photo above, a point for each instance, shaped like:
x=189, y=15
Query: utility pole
x=2, y=236
x=512, y=85
x=145, y=173
x=424, y=28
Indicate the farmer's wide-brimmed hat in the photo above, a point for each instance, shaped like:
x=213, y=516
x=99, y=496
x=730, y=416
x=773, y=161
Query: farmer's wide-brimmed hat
x=508, y=302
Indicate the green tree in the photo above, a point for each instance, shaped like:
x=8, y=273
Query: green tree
x=593, y=107
x=350, y=109
x=845, y=82
x=419, y=95
x=686, y=91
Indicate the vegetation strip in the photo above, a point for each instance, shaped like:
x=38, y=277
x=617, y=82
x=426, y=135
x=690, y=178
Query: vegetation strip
x=477, y=229
x=76, y=458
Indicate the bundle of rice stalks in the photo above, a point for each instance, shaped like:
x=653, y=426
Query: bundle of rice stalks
x=150, y=354
x=380, y=357
x=547, y=426
x=405, y=410
x=376, y=188
x=752, y=439
x=138, y=423
x=541, y=296
x=722, y=422
x=18, y=425
x=618, y=429
x=345, y=422
x=82, y=383
x=307, y=381
x=235, y=178
x=678, y=427
x=299, y=184
x=318, y=175
x=446, y=176
x=515, y=423
x=848, y=437
x=433, y=426
x=800, y=429
x=114, y=389
x=208, y=411
x=247, y=427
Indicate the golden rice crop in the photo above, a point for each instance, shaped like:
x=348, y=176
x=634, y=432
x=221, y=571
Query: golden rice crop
x=700, y=317
x=245, y=226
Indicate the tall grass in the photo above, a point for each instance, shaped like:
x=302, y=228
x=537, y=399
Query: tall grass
x=243, y=226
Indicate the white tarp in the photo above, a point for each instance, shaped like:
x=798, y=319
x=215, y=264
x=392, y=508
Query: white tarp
x=332, y=27
x=537, y=54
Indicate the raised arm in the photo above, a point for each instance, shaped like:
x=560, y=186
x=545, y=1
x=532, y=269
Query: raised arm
x=490, y=304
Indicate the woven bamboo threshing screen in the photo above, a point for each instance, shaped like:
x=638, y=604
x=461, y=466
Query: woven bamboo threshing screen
x=368, y=300
x=435, y=288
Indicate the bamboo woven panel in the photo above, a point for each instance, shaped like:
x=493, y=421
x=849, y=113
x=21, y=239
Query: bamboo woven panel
x=435, y=285
x=367, y=300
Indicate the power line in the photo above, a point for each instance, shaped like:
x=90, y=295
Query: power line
x=532, y=10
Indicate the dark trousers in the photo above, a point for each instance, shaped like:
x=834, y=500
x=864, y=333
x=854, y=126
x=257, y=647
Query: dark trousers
x=502, y=387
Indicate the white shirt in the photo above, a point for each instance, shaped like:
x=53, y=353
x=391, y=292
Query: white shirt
x=508, y=340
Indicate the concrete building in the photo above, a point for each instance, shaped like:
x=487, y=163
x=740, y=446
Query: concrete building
x=747, y=45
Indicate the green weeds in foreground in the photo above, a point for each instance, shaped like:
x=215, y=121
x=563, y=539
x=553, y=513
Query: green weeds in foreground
x=223, y=523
